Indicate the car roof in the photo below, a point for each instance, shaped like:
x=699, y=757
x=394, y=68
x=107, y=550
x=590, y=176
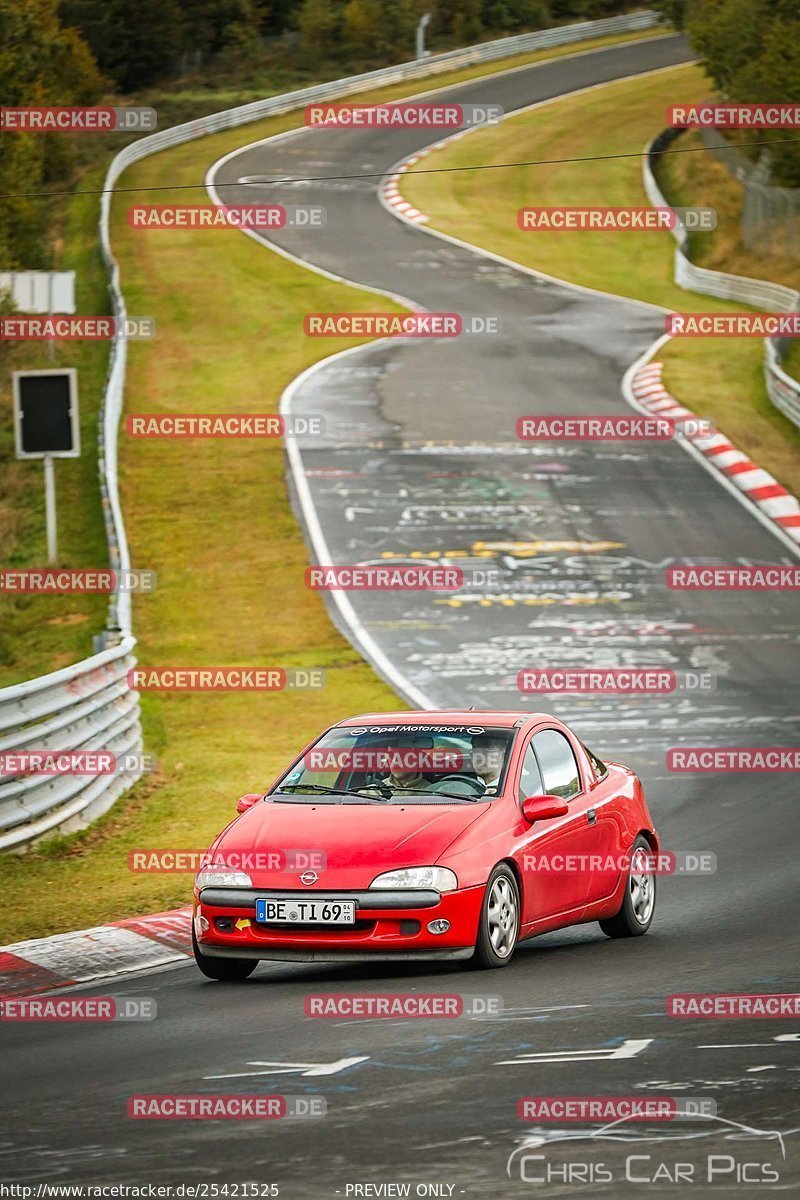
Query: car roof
x=495, y=718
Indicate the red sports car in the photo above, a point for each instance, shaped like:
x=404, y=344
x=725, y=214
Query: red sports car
x=439, y=835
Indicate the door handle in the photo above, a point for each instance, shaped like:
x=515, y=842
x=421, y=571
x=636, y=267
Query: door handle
x=591, y=817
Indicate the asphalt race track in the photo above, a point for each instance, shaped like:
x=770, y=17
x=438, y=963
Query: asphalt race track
x=424, y=434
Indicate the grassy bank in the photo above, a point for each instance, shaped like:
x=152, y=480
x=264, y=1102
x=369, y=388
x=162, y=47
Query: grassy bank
x=42, y=633
x=697, y=178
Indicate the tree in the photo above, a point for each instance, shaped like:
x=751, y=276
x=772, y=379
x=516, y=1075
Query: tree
x=468, y=22
x=517, y=15
x=319, y=23
x=40, y=64
x=727, y=34
x=380, y=29
x=673, y=10
x=242, y=45
x=751, y=50
x=137, y=44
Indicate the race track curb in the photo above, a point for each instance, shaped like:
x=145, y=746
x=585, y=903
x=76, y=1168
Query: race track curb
x=88, y=955
x=757, y=485
x=390, y=193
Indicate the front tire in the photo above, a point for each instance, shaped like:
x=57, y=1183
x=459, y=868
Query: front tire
x=499, y=920
x=639, y=903
x=227, y=970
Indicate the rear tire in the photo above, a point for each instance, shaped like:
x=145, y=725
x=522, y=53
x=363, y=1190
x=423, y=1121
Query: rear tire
x=639, y=902
x=227, y=970
x=499, y=920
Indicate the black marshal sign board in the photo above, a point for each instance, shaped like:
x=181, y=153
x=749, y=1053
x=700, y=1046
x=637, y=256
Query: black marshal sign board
x=46, y=427
x=46, y=414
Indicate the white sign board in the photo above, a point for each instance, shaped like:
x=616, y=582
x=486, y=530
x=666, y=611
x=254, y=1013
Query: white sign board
x=40, y=291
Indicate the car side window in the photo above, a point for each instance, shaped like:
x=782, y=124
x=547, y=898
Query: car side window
x=530, y=781
x=600, y=769
x=558, y=764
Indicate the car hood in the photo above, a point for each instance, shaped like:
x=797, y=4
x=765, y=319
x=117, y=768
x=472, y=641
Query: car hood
x=353, y=842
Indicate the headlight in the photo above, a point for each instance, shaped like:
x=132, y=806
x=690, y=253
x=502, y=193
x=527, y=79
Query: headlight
x=441, y=879
x=214, y=877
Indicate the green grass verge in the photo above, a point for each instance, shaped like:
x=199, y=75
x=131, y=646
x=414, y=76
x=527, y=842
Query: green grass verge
x=791, y=362
x=42, y=633
x=718, y=378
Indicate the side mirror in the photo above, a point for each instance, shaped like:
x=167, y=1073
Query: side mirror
x=247, y=801
x=541, y=808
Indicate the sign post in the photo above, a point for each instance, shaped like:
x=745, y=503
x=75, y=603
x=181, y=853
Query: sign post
x=50, y=509
x=46, y=427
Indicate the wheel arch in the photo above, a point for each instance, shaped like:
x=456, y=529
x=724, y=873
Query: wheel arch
x=515, y=871
x=650, y=837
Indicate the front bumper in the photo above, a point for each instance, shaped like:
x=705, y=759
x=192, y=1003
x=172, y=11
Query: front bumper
x=389, y=925
x=280, y=954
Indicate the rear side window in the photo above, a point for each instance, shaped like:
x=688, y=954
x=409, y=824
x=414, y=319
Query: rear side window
x=558, y=765
x=600, y=769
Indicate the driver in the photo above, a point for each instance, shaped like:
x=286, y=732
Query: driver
x=488, y=755
x=403, y=778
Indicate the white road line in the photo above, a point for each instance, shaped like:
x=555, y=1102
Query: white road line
x=305, y=1069
x=630, y=1048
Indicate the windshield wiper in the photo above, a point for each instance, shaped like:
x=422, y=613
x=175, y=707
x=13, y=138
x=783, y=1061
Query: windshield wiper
x=324, y=790
x=448, y=795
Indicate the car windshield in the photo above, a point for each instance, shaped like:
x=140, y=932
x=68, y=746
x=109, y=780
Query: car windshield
x=436, y=764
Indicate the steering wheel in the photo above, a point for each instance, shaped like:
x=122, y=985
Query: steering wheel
x=446, y=784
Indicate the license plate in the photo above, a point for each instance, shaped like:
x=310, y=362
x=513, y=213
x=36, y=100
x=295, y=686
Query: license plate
x=274, y=911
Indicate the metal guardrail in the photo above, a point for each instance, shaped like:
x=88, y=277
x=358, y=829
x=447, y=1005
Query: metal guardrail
x=770, y=213
x=783, y=391
x=89, y=705
x=85, y=707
